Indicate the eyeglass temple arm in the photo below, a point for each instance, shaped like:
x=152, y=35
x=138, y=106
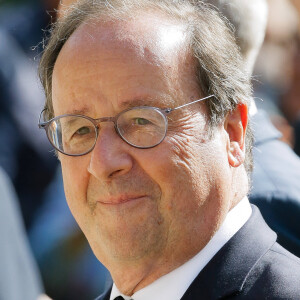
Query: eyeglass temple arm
x=168, y=110
x=42, y=124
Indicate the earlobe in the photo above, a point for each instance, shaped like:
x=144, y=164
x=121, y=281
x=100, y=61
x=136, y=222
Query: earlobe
x=236, y=155
x=235, y=125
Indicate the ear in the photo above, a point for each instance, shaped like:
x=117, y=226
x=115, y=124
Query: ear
x=235, y=126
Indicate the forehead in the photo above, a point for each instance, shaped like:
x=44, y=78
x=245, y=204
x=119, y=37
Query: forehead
x=148, y=36
x=110, y=52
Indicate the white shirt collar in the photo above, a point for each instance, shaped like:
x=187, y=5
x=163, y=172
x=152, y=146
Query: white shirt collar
x=174, y=284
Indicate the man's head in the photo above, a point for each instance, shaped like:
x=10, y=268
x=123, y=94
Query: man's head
x=147, y=211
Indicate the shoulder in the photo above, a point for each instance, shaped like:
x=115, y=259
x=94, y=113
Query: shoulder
x=105, y=295
x=276, y=174
x=276, y=168
x=8, y=194
x=276, y=190
x=277, y=274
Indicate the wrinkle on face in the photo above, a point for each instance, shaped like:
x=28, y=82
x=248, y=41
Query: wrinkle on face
x=181, y=177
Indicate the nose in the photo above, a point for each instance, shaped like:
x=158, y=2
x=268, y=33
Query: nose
x=109, y=158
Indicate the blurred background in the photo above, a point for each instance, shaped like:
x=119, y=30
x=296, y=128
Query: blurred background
x=69, y=269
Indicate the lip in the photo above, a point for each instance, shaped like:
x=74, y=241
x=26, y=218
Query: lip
x=121, y=200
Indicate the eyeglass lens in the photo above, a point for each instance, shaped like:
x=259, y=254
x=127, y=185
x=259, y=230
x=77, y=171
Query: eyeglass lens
x=142, y=127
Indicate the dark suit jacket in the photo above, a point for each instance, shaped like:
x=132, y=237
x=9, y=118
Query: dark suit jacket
x=251, y=265
x=276, y=183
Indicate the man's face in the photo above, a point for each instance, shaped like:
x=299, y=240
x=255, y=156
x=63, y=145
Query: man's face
x=145, y=207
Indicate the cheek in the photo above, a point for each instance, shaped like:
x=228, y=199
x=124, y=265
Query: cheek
x=75, y=178
x=188, y=166
x=188, y=174
x=175, y=168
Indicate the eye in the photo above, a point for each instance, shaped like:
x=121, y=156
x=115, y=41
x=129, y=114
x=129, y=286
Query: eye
x=141, y=121
x=83, y=131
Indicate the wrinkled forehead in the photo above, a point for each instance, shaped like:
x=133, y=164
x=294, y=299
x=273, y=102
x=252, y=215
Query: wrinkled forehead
x=149, y=36
x=120, y=61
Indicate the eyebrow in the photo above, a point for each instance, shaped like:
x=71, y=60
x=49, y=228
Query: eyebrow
x=163, y=102
x=159, y=102
x=81, y=111
x=70, y=123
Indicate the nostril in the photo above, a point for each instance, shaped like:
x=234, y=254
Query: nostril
x=114, y=173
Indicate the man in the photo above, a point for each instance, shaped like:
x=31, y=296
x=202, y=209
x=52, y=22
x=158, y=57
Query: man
x=276, y=175
x=147, y=108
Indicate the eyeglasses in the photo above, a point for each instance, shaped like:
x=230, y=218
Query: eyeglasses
x=141, y=127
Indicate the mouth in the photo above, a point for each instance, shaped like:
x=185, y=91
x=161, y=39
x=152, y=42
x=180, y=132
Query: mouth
x=121, y=200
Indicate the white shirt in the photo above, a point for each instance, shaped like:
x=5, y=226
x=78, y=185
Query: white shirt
x=173, y=285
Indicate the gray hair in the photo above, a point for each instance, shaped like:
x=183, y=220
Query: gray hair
x=249, y=19
x=219, y=70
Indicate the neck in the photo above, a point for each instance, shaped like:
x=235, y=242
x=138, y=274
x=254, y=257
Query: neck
x=133, y=276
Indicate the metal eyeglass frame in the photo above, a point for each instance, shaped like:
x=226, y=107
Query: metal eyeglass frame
x=164, y=112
